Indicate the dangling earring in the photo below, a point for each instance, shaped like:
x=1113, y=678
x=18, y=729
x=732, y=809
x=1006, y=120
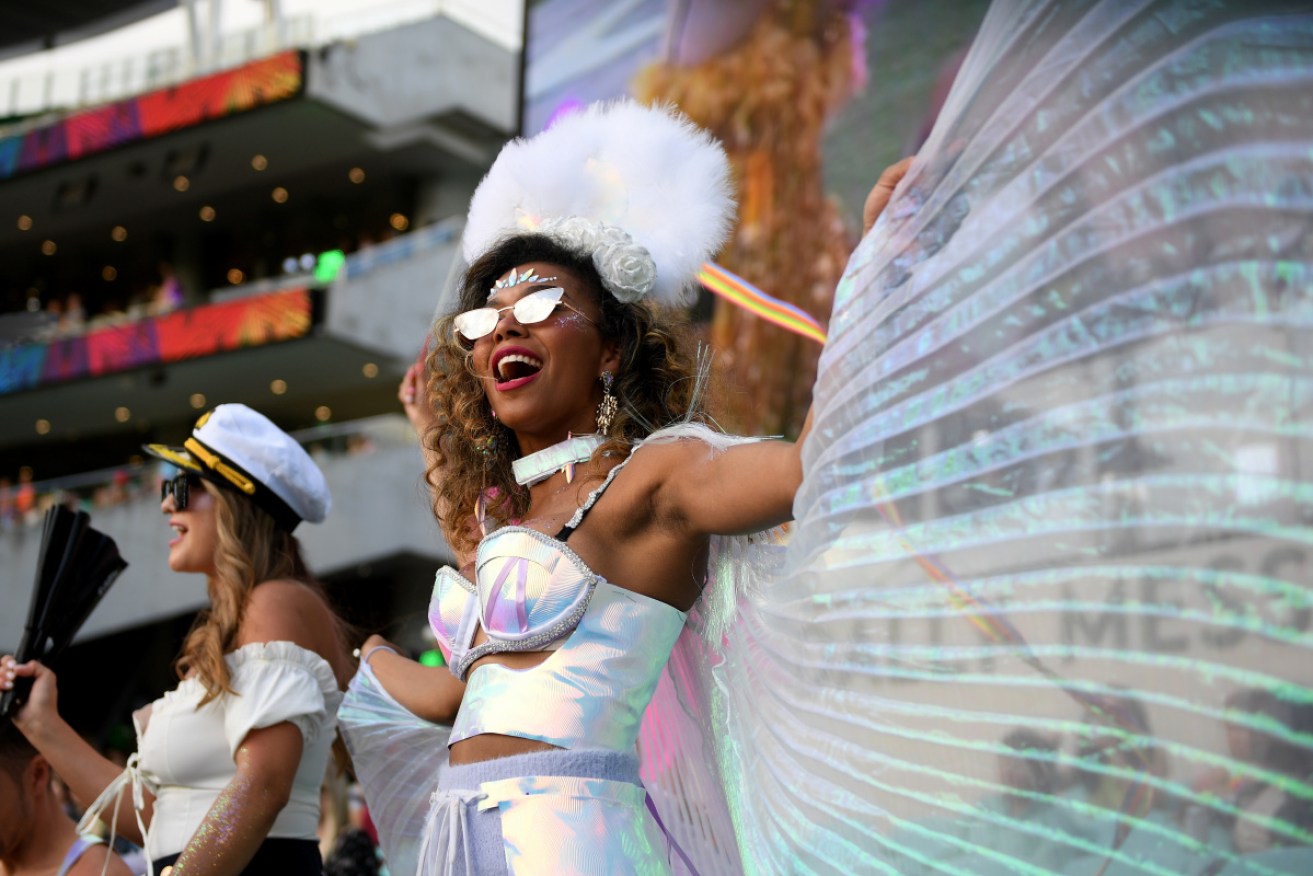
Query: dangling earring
x=488, y=448
x=607, y=407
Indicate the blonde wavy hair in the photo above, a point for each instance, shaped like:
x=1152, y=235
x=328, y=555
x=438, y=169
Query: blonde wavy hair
x=472, y=452
x=251, y=549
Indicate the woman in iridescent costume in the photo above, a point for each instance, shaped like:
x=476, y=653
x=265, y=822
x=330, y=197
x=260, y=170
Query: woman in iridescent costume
x=229, y=763
x=581, y=529
x=1059, y=462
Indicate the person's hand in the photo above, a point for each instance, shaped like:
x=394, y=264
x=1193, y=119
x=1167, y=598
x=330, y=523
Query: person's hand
x=878, y=198
x=373, y=643
x=412, y=393
x=42, y=701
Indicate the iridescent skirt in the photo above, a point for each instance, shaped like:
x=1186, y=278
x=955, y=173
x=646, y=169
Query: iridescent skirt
x=549, y=813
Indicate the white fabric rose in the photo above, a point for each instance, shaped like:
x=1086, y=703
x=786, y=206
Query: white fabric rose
x=627, y=270
x=612, y=235
x=574, y=232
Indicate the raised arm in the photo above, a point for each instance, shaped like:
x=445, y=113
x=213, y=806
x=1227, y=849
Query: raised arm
x=86, y=772
x=744, y=488
x=412, y=395
x=878, y=197
x=428, y=692
x=748, y=487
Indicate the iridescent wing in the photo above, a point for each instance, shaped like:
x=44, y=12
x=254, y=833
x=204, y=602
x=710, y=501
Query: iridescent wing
x=396, y=756
x=1046, y=605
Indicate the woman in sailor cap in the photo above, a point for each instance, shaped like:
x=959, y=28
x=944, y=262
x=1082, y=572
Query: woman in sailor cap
x=229, y=763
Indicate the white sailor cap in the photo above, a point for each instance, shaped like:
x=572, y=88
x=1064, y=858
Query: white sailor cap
x=241, y=449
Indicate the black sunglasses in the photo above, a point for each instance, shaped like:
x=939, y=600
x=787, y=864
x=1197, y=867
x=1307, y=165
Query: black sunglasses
x=180, y=487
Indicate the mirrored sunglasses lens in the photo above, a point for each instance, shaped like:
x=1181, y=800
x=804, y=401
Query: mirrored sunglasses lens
x=474, y=324
x=538, y=306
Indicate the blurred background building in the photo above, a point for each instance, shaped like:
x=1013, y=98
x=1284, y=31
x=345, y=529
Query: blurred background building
x=235, y=200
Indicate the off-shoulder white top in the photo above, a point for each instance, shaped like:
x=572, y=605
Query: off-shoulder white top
x=185, y=754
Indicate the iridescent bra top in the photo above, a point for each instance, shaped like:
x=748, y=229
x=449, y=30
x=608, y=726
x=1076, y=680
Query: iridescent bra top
x=533, y=593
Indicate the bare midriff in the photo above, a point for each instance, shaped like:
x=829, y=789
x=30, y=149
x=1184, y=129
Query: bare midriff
x=489, y=746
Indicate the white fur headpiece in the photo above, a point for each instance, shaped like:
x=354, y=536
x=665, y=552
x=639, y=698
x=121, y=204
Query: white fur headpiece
x=642, y=190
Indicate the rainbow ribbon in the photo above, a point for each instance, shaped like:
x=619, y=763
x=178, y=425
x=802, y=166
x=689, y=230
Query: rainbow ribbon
x=739, y=291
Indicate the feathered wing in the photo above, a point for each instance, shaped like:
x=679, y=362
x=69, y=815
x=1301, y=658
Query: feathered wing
x=1046, y=605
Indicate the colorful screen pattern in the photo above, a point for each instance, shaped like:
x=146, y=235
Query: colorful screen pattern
x=241, y=89
x=157, y=340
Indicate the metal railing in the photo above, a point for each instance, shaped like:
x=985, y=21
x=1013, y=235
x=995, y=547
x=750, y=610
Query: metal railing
x=132, y=481
x=39, y=327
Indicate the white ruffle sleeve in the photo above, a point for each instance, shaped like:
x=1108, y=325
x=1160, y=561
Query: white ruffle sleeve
x=276, y=682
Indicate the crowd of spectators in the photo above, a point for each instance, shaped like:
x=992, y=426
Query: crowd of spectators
x=57, y=307
x=24, y=502
x=69, y=314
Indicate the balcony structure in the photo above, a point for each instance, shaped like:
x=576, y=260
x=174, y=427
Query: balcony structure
x=235, y=157
x=238, y=178
x=337, y=343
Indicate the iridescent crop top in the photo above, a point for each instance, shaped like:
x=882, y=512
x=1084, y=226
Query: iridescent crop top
x=535, y=594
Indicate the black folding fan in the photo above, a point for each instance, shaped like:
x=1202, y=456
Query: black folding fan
x=75, y=569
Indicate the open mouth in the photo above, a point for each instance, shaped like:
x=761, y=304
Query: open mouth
x=515, y=369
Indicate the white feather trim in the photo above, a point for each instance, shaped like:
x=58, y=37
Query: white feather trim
x=648, y=171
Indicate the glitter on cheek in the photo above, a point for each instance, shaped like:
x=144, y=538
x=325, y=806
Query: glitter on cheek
x=575, y=321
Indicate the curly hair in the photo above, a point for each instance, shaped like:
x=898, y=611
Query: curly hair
x=472, y=452
x=251, y=550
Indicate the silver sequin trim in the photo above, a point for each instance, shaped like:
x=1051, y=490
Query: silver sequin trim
x=557, y=630
x=457, y=577
x=573, y=522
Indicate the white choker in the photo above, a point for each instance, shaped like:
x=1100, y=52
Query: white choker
x=561, y=456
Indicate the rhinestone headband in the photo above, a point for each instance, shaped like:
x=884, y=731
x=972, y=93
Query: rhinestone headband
x=514, y=279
